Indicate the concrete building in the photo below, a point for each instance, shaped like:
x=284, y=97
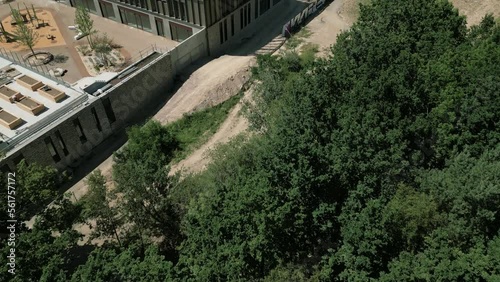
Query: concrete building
x=52, y=123
x=47, y=121
x=179, y=19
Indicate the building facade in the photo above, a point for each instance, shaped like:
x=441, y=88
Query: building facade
x=179, y=19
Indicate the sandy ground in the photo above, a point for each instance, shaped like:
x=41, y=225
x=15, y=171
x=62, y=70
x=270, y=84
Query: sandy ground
x=475, y=10
x=50, y=29
x=327, y=26
x=210, y=85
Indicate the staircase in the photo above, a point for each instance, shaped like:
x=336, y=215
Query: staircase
x=272, y=46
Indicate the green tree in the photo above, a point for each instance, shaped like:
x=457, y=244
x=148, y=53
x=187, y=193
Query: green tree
x=410, y=216
x=41, y=256
x=97, y=205
x=142, y=182
x=85, y=23
x=108, y=264
x=26, y=36
x=464, y=247
x=37, y=185
x=60, y=216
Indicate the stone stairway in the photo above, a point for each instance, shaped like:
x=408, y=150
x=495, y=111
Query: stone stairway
x=272, y=46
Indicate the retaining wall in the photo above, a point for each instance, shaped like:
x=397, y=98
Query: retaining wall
x=128, y=100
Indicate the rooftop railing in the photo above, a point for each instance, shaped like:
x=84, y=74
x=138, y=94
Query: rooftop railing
x=28, y=131
x=42, y=70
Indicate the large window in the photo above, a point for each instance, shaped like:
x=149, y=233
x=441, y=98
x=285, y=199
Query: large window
x=89, y=4
x=61, y=143
x=107, y=10
x=264, y=6
x=135, y=19
x=96, y=119
x=159, y=27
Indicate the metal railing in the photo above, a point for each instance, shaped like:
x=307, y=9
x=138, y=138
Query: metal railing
x=42, y=70
x=29, y=131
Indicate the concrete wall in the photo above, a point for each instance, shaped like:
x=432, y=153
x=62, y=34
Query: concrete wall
x=214, y=35
x=129, y=99
x=37, y=151
x=189, y=51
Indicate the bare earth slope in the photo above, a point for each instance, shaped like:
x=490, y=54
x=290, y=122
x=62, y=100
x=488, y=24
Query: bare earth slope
x=210, y=85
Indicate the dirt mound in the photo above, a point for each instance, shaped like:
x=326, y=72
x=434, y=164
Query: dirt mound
x=210, y=85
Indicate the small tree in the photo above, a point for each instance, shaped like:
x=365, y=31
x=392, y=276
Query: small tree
x=97, y=205
x=34, y=14
x=26, y=36
x=16, y=15
x=85, y=23
x=102, y=47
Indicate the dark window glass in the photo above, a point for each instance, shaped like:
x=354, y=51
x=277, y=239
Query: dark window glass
x=52, y=149
x=256, y=3
x=241, y=19
x=61, y=143
x=221, y=34
x=109, y=110
x=249, y=15
x=264, y=6
x=225, y=29
x=96, y=119
x=182, y=10
x=232, y=25
x=79, y=129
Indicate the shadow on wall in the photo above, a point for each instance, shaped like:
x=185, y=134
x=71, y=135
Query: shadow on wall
x=265, y=28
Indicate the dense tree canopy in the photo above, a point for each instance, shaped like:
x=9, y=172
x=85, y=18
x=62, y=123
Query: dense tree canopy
x=378, y=163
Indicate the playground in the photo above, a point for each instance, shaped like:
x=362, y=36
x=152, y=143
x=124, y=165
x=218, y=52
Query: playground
x=57, y=36
x=39, y=20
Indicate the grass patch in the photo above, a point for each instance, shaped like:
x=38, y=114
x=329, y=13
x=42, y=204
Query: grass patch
x=298, y=38
x=308, y=52
x=193, y=130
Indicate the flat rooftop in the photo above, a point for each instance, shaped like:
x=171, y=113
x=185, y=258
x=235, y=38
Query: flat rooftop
x=27, y=97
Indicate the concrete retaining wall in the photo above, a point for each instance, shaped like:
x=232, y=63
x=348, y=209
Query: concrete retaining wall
x=189, y=51
x=214, y=36
x=129, y=99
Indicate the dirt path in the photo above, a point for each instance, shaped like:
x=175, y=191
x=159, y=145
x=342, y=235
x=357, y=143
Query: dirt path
x=234, y=124
x=326, y=26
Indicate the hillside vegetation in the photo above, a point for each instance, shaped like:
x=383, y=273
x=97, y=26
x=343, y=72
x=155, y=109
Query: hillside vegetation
x=378, y=163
